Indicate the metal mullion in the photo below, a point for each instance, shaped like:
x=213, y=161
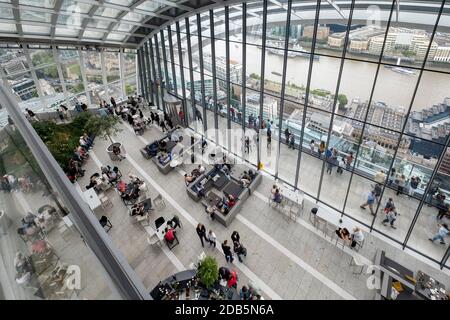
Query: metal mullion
x=308, y=82
x=174, y=78
x=214, y=74
x=407, y=117
x=364, y=122
x=227, y=74
x=144, y=73
x=181, y=67
x=158, y=62
x=283, y=84
x=33, y=75
x=338, y=85
x=427, y=189
x=140, y=69
x=191, y=71
x=244, y=71
x=149, y=74
x=122, y=72
x=445, y=258
x=202, y=77
x=152, y=60
x=168, y=85
x=261, y=92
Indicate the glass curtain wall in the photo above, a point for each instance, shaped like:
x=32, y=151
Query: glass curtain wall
x=355, y=101
x=43, y=78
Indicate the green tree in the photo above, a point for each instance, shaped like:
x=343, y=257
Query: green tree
x=255, y=76
x=208, y=271
x=103, y=127
x=342, y=98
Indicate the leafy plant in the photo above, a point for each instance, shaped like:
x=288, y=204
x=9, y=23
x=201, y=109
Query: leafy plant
x=103, y=127
x=208, y=271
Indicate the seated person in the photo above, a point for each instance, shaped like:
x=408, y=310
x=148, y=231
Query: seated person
x=277, y=197
x=246, y=179
x=174, y=222
x=274, y=189
x=137, y=209
x=343, y=233
x=231, y=201
x=152, y=149
x=201, y=169
x=169, y=235
x=188, y=178
x=252, y=174
x=357, y=237
x=162, y=146
x=164, y=158
x=176, y=136
x=121, y=186
x=199, y=189
x=92, y=181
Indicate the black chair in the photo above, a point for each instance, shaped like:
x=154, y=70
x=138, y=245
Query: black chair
x=159, y=222
x=104, y=222
x=174, y=243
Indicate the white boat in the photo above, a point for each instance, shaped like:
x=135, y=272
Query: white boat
x=403, y=71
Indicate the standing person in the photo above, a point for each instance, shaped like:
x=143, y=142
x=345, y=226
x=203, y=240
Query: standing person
x=60, y=114
x=235, y=236
x=330, y=165
x=269, y=139
x=244, y=294
x=247, y=144
x=341, y=165
x=286, y=135
x=321, y=148
x=380, y=177
x=227, y=252
x=389, y=205
x=391, y=176
x=356, y=237
x=369, y=202
x=232, y=281
x=377, y=191
x=181, y=116
x=413, y=184
x=349, y=160
x=292, y=141
x=212, y=238
x=198, y=115
x=401, y=181
x=11, y=122
x=117, y=152
x=201, y=232
x=31, y=114
x=239, y=249
x=162, y=124
x=113, y=102
x=391, y=216
x=141, y=114
x=232, y=113
x=312, y=146
x=442, y=232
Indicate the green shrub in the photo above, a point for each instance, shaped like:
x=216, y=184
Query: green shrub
x=208, y=271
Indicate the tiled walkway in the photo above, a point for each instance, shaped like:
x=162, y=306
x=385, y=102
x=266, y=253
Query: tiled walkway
x=286, y=259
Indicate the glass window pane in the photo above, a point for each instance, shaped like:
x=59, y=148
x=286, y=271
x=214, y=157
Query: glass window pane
x=41, y=57
x=70, y=65
x=13, y=61
x=112, y=66
x=93, y=68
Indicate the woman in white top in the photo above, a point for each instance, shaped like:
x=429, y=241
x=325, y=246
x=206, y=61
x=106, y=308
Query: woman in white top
x=212, y=238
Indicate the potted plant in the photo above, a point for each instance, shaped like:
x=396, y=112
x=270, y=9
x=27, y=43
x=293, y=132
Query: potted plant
x=208, y=271
x=105, y=127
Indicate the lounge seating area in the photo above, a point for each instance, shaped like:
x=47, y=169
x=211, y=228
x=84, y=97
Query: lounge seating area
x=223, y=191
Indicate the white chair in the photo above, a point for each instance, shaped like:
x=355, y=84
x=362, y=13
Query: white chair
x=158, y=202
x=154, y=241
x=105, y=201
x=144, y=219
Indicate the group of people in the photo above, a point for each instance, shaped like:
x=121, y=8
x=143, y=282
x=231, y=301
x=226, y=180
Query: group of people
x=357, y=237
x=80, y=155
x=9, y=183
x=130, y=191
x=197, y=172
